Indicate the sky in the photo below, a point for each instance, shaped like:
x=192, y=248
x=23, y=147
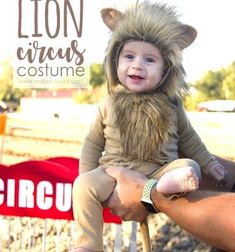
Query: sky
x=214, y=21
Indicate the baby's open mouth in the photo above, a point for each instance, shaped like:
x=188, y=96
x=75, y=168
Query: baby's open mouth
x=136, y=77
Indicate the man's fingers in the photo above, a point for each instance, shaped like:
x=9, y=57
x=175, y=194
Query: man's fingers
x=134, y=215
x=113, y=200
x=113, y=172
x=114, y=204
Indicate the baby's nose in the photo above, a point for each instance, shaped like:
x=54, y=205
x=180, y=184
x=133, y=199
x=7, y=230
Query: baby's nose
x=137, y=64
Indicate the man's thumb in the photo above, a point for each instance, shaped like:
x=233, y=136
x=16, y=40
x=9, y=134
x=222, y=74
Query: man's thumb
x=113, y=171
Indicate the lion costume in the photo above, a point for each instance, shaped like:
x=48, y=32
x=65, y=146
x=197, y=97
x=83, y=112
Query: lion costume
x=145, y=131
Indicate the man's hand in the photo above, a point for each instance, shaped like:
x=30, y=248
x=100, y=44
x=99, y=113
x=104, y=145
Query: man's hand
x=219, y=172
x=125, y=199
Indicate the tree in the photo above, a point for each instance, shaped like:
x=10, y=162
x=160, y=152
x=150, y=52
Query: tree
x=228, y=84
x=97, y=76
x=210, y=86
x=8, y=93
x=97, y=90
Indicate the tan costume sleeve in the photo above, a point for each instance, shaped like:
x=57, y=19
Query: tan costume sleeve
x=93, y=145
x=190, y=144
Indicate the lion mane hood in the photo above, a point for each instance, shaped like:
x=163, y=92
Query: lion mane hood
x=155, y=23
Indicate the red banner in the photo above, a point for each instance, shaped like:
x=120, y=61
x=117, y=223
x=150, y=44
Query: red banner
x=37, y=189
x=41, y=189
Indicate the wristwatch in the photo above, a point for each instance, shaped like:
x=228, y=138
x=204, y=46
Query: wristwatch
x=146, y=199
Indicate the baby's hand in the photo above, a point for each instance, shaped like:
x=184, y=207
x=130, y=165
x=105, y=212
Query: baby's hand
x=219, y=172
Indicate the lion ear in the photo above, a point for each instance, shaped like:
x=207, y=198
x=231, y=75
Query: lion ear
x=110, y=17
x=188, y=36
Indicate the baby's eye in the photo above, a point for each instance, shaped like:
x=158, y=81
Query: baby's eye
x=128, y=56
x=149, y=60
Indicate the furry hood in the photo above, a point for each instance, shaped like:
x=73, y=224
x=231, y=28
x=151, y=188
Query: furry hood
x=155, y=23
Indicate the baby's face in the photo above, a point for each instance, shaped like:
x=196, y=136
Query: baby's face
x=140, y=66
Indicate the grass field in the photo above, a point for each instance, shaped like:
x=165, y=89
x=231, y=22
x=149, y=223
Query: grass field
x=217, y=130
x=29, y=137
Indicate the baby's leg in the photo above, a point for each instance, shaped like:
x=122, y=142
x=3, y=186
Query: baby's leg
x=89, y=190
x=182, y=175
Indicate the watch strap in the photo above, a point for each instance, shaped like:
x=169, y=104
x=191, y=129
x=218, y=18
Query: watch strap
x=146, y=196
x=148, y=188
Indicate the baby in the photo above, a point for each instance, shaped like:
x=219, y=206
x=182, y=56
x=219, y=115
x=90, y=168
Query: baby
x=142, y=124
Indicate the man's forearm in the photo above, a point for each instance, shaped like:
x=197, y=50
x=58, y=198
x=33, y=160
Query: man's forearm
x=208, y=216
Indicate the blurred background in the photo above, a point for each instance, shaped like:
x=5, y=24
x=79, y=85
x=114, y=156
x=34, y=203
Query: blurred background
x=40, y=123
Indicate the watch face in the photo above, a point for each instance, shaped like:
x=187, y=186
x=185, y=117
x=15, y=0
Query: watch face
x=149, y=207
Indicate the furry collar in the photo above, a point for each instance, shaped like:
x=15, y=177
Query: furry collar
x=143, y=122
